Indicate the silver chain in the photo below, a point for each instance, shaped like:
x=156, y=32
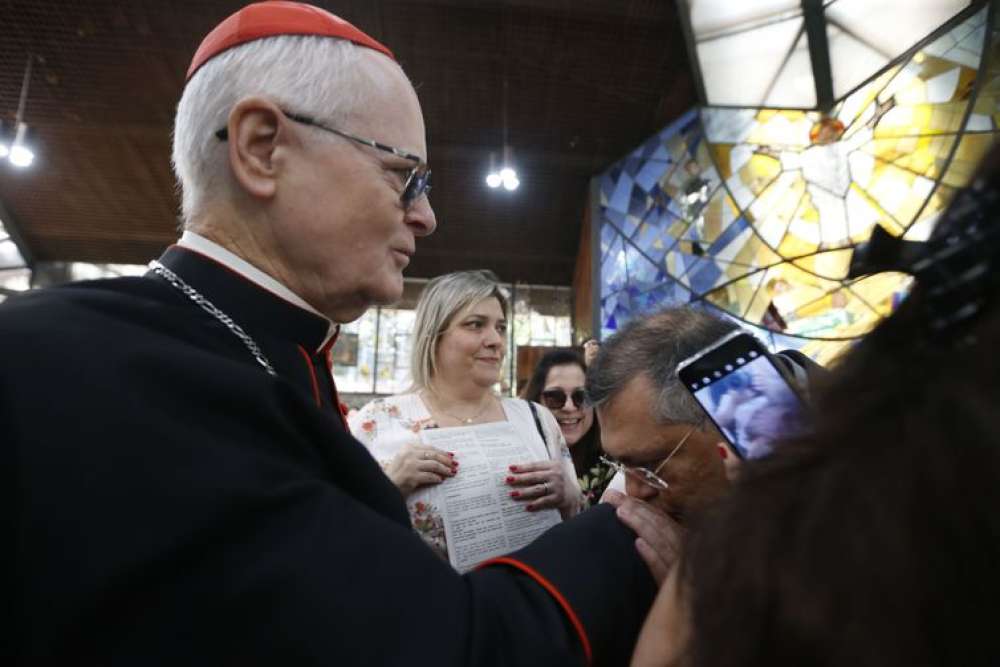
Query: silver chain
x=174, y=280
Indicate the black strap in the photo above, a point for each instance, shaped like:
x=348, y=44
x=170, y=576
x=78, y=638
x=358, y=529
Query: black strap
x=538, y=423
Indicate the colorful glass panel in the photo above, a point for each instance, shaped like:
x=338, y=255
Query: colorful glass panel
x=755, y=212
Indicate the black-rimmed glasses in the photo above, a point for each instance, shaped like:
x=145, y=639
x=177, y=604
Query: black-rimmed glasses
x=555, y=399
x=645, y=475
x=418, y=179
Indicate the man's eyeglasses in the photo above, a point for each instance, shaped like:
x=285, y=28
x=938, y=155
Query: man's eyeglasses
x=645, y=475
x=554, y=399
x=417, y=182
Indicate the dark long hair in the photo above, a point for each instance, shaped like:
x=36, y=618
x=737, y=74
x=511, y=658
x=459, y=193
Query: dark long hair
x=585, y=453
x=876, y=540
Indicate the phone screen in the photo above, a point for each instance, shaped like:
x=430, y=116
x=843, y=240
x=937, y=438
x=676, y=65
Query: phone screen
x=737, y=384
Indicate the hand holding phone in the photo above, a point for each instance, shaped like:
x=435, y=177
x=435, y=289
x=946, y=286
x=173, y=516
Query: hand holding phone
x=745, y=394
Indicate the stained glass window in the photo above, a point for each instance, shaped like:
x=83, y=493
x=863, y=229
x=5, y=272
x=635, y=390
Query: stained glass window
x=755, y=212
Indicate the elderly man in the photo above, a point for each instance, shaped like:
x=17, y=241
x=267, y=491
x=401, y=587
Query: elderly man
x=669, y=452
x=180, y=485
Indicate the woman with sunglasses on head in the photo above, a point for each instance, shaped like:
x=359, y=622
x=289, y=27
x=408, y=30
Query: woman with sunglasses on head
x=557, y=383
x=459, y=344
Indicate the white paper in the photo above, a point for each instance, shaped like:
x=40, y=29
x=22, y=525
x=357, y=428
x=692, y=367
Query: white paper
x=481, y=520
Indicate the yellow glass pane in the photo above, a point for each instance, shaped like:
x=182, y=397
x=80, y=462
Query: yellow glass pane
x=920, y=119
x=898, y=193
x=722, y=154
x=757, y=296
x=971, y=149
x=926, y=155
x=832, y=264
x=878, y=290
x=782, y=128
x=776, y=206
x=753, y=177
x=854, y=106
x=937, y=81
x=921, y=229
x=735, y=298
x=718, y=214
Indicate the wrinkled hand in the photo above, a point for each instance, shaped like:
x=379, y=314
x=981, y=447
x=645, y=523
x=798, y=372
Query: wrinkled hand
x=418, y=465
x=541, y=484
x=659, y=536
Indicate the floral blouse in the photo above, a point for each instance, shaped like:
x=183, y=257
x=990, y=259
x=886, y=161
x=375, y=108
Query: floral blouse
x=388, y=424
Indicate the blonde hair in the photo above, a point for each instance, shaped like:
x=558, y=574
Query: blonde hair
x=442, y=299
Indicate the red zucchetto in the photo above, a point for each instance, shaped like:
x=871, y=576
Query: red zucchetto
x=277, y=17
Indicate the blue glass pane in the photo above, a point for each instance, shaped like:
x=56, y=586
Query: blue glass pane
x=621, y=197
x=702, y=278
x=642, y=273
x=649, y=176
x=613, y=274
x=653, y=237
x=608, y=235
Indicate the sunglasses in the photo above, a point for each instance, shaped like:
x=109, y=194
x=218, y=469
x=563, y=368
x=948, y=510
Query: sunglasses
x=554, y=399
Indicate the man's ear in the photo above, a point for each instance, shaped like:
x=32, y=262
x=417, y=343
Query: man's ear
x=255, y=128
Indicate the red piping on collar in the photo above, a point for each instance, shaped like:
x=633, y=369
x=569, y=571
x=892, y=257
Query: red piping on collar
x=326, y=353
x=312, y=374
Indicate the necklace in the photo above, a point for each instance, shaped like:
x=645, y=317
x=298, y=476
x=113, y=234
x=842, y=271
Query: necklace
x=463, y=420
x=174, y=280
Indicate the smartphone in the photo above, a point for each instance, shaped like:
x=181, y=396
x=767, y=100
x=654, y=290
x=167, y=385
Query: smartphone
x=745, y=393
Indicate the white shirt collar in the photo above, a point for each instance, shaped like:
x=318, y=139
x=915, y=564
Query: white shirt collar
x=213, y=250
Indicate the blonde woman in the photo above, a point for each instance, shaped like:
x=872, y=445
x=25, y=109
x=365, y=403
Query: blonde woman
x=459, y=344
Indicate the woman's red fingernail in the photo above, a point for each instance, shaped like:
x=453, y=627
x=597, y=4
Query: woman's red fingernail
x=513, y=468
x=510, y=480
x=723, y=453
x=451, y=454
x=530, y=508
x=515, y=494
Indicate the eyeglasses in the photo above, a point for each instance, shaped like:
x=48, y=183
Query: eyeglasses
x=645, y=475
x=554, y=399
x=417, y=182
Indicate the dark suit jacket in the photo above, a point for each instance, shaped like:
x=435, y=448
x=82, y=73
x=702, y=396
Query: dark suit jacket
x=170, y=502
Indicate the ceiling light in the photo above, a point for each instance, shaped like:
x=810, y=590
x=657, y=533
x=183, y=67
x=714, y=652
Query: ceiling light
x=493, y=179
x=21, y=154
x=509, y=178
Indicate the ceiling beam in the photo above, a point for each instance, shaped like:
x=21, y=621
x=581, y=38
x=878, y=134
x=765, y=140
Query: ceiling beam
x=819, y=53
x=684, y=11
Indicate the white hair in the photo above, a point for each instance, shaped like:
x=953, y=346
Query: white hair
x=322, y=77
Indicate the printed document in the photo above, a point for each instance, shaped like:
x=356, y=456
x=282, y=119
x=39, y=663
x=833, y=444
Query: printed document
x=481, y=520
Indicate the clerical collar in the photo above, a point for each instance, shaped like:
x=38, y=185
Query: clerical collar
x=236, y=264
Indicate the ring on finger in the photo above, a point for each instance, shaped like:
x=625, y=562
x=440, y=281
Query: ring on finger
x=545, y=488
